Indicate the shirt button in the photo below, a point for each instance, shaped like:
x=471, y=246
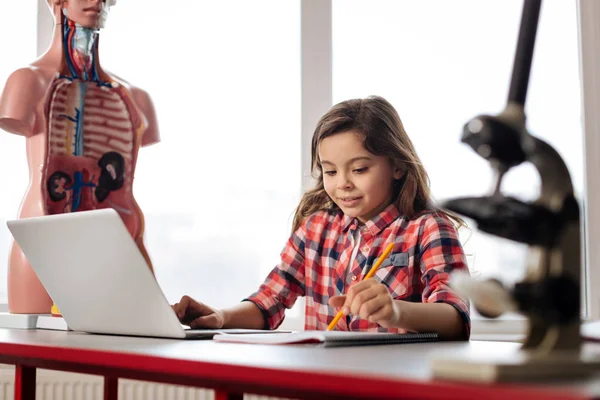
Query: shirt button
x=366, y=249
x=354, y=277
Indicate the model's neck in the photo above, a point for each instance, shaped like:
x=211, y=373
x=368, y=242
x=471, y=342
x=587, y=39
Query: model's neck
x=80, y=46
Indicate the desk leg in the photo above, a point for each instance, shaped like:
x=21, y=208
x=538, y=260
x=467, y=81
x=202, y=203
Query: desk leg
x=111, y=388
x=24, y=383
x=224, y=395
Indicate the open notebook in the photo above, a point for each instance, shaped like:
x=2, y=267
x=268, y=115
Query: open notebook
x=330, y=338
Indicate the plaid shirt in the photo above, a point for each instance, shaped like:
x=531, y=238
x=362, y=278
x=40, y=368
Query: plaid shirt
x=315, y=264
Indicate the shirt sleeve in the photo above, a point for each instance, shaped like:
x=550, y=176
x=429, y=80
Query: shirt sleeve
x=441, y=254
x=284, y=283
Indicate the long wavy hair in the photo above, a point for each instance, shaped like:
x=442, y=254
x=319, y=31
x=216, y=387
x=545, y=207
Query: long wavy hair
x=383, y=135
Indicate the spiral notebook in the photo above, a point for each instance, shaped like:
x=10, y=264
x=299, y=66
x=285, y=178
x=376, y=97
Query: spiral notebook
x=330, y=338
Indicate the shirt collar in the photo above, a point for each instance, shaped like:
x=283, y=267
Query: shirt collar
x=375, y=224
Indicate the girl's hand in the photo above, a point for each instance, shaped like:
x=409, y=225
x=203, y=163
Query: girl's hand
x=197, y=315
x=369, y=300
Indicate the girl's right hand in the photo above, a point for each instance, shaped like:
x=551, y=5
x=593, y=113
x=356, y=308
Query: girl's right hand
x=197, y=315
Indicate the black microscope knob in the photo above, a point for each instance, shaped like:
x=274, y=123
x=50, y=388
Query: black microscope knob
x=494, y=139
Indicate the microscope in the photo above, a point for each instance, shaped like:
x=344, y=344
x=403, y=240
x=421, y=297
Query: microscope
x=549, y=294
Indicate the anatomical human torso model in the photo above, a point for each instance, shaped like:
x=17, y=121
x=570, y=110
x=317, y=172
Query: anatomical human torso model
x=83, y=129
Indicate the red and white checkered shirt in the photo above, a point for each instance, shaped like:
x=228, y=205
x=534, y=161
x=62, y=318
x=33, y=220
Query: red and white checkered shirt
x=315, y=263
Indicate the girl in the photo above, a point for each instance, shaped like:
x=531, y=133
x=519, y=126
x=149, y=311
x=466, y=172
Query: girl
x=371, y=190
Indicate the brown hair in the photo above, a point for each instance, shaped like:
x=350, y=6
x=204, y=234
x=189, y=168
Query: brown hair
x=383, y=135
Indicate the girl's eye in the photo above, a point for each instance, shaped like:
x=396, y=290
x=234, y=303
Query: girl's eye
x=360, y=170
x=329, y=173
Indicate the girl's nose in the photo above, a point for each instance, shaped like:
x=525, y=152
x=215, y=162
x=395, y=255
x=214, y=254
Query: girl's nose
x=344, y=182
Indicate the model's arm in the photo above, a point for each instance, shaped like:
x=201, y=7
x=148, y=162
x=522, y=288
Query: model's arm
x=20, y=97
x=146, y=106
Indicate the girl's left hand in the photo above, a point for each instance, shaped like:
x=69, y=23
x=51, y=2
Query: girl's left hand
x=369, y=300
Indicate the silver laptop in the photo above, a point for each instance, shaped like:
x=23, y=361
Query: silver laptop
x=98, y=278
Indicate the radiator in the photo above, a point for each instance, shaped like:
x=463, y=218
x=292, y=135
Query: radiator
x=54, y=385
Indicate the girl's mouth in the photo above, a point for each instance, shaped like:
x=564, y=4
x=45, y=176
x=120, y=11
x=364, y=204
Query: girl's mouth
x=349, y=201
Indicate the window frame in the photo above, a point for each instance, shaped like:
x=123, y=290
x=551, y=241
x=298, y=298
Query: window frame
x=588, y=11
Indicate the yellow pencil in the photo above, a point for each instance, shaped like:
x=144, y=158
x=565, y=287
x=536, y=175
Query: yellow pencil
x=386, y=253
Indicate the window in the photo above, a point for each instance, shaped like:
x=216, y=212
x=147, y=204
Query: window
x=21, y=17
x=219, y=191
x=441, y=63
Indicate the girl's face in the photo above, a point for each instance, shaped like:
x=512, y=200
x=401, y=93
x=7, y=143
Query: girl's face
x=359, y=182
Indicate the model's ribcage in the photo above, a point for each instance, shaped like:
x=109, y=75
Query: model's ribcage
x=91, y=149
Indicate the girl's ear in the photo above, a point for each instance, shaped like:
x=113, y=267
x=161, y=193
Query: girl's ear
x=399, y=172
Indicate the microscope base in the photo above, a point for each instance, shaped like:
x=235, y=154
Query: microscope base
x=517, y=366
